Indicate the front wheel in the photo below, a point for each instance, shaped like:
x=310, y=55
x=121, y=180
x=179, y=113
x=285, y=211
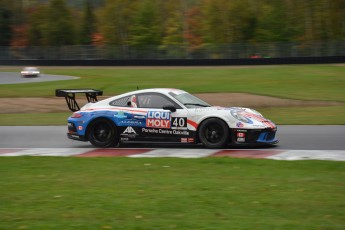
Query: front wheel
x=103, y=133
x=214, y=133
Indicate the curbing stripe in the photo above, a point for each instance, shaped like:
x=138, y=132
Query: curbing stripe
x=331, y=155
x=113, y=152
x=180, y=153
x=247, y=153
x=292, y=155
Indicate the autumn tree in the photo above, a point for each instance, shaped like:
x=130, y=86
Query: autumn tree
x=38, y=26
x=193, y=30
x=6, y=22
x=88, y=25
x=146, y=29
x=115, y=19
x=59, y=29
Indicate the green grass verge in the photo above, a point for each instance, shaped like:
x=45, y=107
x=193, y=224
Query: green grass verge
x=170, y=193
x=327, y=115
x=305, y=82
x=27, y=119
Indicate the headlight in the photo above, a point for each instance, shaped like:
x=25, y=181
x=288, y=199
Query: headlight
x=237, y=114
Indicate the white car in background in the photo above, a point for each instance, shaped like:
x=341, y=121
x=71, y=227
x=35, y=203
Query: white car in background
x=30, y=72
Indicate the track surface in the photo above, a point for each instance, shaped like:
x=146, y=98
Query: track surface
x=15, y=78
x=296, y=143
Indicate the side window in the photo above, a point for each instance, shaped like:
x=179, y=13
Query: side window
x=149, y=100
x=122, y=102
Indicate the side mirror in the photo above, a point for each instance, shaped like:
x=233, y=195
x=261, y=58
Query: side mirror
x=169, y=107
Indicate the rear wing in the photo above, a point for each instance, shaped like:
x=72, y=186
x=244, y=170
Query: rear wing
x=69, y=95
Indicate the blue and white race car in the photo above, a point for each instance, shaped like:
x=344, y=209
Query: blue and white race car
x=162, y=115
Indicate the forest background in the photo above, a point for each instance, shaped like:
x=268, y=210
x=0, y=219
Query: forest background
x=193, y=24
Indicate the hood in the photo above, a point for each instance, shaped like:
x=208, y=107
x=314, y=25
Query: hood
x=250, y=118
x=243, y=117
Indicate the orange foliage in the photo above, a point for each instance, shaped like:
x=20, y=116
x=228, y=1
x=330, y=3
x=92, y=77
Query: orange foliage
x=19, y=37
x=97, y=39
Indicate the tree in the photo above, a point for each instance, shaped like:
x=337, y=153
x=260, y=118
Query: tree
x=192, y=32
x=6, y=22
x=115, y=19
x=146, y=29
x=217, y=21
x=37, y=26
x=60, y=26
x=88, y=25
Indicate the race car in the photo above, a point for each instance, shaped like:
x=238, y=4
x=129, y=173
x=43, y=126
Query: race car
x=163, y=115
x=30, y=72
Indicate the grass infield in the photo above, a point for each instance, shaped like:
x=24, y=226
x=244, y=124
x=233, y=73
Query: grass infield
x=170, y=193
x=302, y=82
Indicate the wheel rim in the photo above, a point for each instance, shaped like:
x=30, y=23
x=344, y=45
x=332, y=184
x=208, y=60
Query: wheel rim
x=102, y=132
x=214, y=133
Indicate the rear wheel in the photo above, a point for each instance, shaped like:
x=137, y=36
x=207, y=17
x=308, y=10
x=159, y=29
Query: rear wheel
x=103, y=133
x=214, y=133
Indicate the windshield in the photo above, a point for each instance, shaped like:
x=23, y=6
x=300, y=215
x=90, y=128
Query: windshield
x=30, y=69
x=189, y=100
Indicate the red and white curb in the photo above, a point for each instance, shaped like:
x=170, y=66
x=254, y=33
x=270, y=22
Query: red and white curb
x=332, y=155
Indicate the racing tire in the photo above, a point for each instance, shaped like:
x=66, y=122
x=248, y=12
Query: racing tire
x=214, y=133
x=103, y=133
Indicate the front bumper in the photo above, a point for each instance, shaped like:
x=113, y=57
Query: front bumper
x=254, y=136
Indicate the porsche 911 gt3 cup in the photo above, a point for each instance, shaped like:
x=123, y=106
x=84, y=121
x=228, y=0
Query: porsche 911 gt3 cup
x=30, y=72
x=163, y=115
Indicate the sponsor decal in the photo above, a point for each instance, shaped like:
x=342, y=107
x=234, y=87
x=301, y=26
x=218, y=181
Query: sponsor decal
x=80, y=128
x=242, y=130
x=165, y=131
x=129, y=132
x=241, y=139
x=187, y=140
x=240, y=134
x=177, y=132
x=158, y=119
x=132, y=122
x=239, y=124
x=120, y=114
x=130, y=119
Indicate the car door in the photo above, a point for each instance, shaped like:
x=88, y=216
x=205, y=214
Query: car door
x=162, y=125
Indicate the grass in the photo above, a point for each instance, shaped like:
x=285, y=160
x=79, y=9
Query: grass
x=303, y=82
x=29, y=119
x=170, y=193
x=326, y=115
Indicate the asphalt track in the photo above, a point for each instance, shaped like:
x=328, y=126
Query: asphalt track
x=291, y=137
x=296, y=143
x=15, y=78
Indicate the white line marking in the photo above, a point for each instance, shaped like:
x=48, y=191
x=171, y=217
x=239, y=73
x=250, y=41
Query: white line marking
x=61, y=152
x=292, y=155
x=181, y=153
